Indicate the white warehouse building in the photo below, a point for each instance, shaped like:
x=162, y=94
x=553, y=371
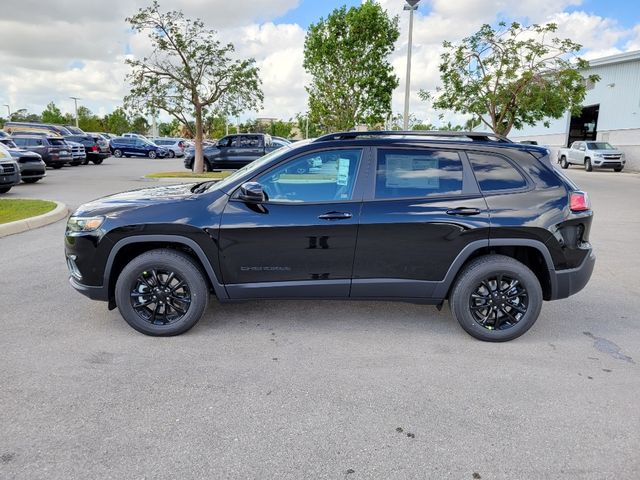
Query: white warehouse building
x=610, y=113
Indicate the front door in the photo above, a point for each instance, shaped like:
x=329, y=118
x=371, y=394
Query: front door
x=301, y=241
x=422, y=210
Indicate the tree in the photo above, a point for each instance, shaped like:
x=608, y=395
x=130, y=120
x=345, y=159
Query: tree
x=87, y=121
x=188, y=71
x=140, y=125
x=347, y=56
x=22, y=115
x=216, y=126
x=307, y=127
x=52, y=114
x=512, y=76
x=117, y=122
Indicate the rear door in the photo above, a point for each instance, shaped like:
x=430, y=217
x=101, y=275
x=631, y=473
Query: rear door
x=301, y=241
x=423, y=208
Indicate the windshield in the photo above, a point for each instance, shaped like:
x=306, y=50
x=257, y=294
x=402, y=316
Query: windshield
x=599, y=146
x=253, y=166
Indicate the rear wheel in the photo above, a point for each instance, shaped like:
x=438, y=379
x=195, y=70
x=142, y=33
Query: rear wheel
x=563, y=162
x=152, y=154
x=30, y=180
x=162, y=293
x=56, y=166
x=496, y=298
x=172, y=154
x=587, y=165
x=4, y=189
x=75, y=164
x=117, y=153
x=97, y=161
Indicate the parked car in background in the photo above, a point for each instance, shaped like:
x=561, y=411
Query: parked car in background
x=102, y=142
x=30, y=128
x=234, y=151
x=175, y=146
x=32, y=168
x=9, y=170
x=108, y=136
x=94, y=152
x=78, y=154
x=136, y=147
x=75, y=130
x=468, y=217
x=592, y=155
x=282, y=140
x=134, y=135
x=54, y=150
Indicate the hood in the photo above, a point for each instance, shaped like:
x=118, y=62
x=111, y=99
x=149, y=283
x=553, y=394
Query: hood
x=21, y=152
x=135, y=199
x=615, y=151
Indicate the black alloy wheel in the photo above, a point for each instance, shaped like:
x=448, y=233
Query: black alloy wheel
x=499, y=302
x=162, y=292
x=160, y=297
x=496, y=298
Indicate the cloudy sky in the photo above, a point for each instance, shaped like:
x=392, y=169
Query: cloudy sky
x=78, y=47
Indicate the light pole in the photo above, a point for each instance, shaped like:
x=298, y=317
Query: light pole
x=75, y=101
x=411, y=5
x=8, y=110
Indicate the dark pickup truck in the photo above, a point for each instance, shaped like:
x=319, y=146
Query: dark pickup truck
x=233, y=151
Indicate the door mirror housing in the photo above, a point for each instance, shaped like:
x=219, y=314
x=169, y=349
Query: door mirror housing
x=252, y=192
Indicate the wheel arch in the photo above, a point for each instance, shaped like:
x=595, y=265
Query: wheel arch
x=128, y=248
x=532, y=253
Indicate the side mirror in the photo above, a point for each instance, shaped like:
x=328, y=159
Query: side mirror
x=252, y=192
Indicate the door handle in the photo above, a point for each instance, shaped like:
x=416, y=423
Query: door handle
x=464, y=211
x=335, y=216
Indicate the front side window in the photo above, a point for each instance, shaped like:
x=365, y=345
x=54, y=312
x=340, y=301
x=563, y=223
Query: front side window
x=495, y=173
x=225, y=142
x=326, y=176
x=418, y=173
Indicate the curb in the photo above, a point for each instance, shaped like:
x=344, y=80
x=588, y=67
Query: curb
x=38, y=221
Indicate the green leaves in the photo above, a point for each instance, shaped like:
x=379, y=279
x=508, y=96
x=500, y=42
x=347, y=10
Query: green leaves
x=347, y=56
x=511, y=76
x=189, y=72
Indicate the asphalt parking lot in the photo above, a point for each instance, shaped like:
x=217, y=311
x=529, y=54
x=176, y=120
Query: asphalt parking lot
x=320, y=389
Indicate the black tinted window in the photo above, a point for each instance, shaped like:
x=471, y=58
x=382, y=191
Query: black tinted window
x=418, y=173
x=250, y=141
x=225, y=142
x=56, y=142
x=21, y=142
x=495, y=173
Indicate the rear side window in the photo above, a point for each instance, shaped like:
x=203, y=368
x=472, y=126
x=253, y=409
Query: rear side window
x=418, y=173
x=495, y=173
x=250, y=142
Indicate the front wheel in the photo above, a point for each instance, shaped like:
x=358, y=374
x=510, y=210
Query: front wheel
x=496, y=298
x=587, y=165
x=4, y=189
x=172, y=154
x=618, y=169
x=30, y=180
x=162, y=293
x=152, y=154
x=57, y=166
x=563, y=162
x=117, y=153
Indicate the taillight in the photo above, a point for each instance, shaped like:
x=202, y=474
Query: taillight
x=579, y=202
x=94, y=148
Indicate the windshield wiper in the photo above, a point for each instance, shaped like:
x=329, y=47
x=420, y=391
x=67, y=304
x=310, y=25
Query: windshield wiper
x=202, y=187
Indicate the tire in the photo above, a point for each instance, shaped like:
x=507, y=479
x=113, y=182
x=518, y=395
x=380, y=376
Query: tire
x=587, y=165
x=4, y=189
x=152, y=154
x=563, y=162
x=490, y=268
x=85, y=161
x=30, y=180
x=618, y=169
x=139, y=276
x=75, y=164
x=57, y=166
x=172, y=154
x=117, y=153
x=97, y=161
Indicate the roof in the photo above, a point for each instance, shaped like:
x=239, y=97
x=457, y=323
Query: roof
x=633, y=56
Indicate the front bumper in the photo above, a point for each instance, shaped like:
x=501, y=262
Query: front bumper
x=569, y=282
x=94, y=293
x=8, y=179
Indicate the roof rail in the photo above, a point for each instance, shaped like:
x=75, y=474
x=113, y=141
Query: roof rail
x=474, y=136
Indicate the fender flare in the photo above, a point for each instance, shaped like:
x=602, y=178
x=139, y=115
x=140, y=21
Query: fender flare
x=218, y=287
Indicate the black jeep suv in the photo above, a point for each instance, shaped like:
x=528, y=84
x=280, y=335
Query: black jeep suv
x=473, y=218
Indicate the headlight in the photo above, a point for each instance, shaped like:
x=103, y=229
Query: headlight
x=598, y=155
x=84, y=224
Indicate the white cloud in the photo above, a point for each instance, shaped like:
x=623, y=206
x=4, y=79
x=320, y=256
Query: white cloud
x=38, y=57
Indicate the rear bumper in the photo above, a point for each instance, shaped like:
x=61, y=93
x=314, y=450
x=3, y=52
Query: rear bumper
x=33, y=170
x=571, y=281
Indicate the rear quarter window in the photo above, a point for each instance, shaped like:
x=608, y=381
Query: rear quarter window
x=495, y=173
